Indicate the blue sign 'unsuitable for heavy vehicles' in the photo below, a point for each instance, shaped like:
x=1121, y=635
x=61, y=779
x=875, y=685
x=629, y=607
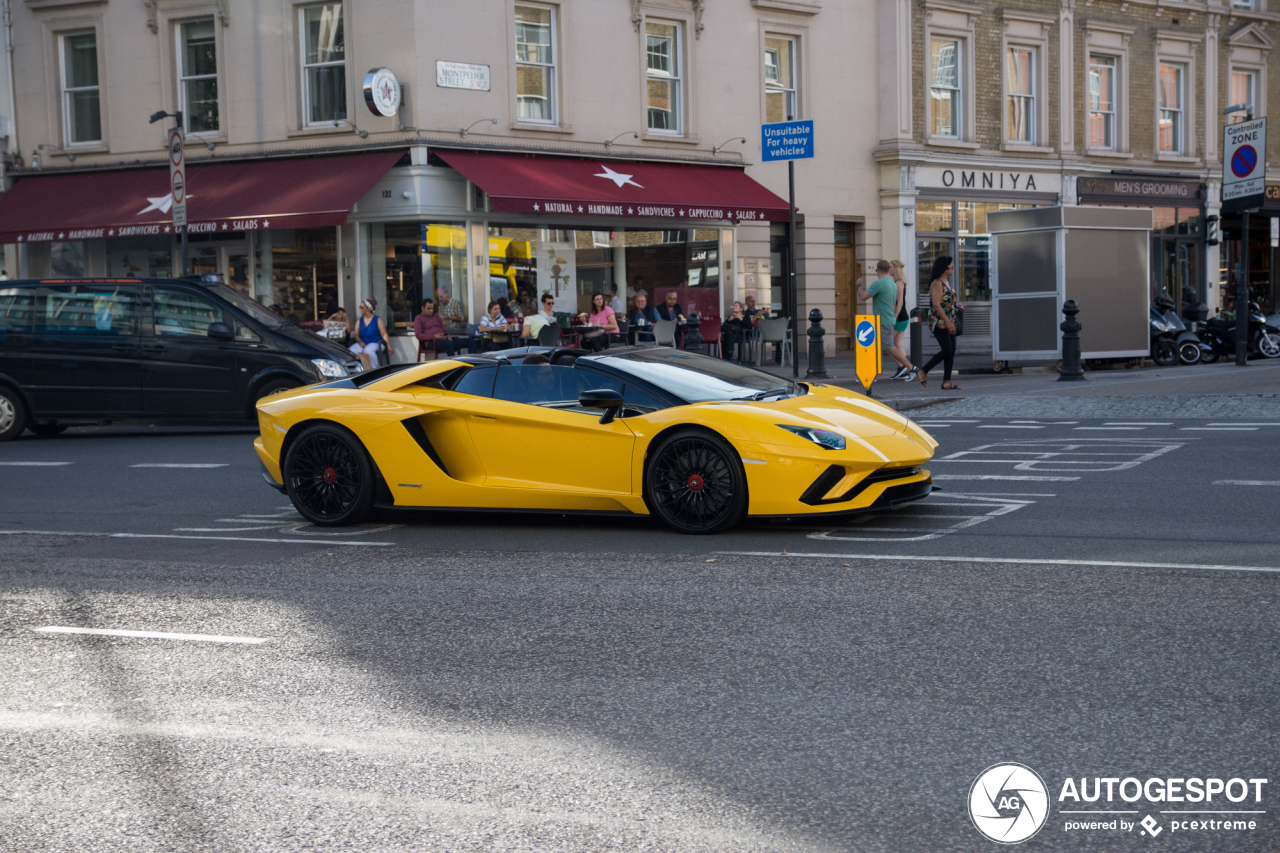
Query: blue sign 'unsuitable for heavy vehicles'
x=786, y=140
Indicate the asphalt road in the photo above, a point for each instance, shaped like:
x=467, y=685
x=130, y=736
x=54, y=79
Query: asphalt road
x=495, y=682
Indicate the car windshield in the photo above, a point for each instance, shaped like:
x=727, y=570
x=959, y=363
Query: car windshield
x=699, y=378
x=252, y=307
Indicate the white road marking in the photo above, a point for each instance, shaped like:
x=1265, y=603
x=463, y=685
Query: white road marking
x=1009, y=426
x=948, y=421
x=1007, y=560
x=1001, y=477
x=1246, y=482
x=149, y=635
x=1049, y=423
x=1062, y=455
x=171, y=536
x=181, y=465
x=1138, y=423
x=993, y=506
x=1239, y=424
x=1138, y=428
x=34, y=464
x=1219, y=429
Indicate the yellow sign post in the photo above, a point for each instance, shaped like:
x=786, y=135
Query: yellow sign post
x=866, y=345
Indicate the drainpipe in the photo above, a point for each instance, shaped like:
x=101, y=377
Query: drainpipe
x=8, y=50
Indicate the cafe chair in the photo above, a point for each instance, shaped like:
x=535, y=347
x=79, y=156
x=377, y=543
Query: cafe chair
x=664, y=333
x=424, y=347
x=620, y=337
x=776, y=331
x=549, y=336
x=710, y=331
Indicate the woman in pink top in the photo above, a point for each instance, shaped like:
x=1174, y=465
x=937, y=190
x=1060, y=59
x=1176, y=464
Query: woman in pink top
x=600, y=315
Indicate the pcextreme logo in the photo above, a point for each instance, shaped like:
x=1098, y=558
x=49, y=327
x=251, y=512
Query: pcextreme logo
x=1009, y=803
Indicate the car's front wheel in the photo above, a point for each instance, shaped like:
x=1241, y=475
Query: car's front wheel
x=329, y=477
x=13, y=414
x=695, y=482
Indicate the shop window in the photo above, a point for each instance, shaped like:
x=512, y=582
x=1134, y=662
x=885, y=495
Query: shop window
x=410, y=262
x=780, y=102
x=1169, y=94
x=198, y=76
x=535, y=64
x=945, y=92
x=66, y=260
x=933, y=216
x=663, y=77
x=81, y=105
x=1020, y=70
x=324, y=64
x=1244, y=89
x=1102, y=102
x=298, y=268
x=139, y=257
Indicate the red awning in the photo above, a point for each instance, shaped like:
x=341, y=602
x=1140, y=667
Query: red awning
x=250, y=196
x=563, y=186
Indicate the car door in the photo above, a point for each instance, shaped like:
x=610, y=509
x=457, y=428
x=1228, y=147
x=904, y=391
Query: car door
x=17, y=328
x=525, y=443
x=185, y=372
x=84, y=350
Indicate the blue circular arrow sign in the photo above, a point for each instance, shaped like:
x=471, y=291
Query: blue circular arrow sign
x=866, y=333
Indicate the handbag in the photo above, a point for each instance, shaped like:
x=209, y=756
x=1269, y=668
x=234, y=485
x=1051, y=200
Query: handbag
x=959, y=321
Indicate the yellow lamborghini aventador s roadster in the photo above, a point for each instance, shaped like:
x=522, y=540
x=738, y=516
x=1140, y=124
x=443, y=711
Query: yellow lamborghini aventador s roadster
x=699, y=442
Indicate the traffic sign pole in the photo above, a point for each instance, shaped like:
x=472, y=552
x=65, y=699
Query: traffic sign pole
x=1244, y=166
x=1242, y=297
x=789, y=140
x=178, y=189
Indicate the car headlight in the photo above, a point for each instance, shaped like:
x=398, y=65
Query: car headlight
x=824, y=438
x=329, y=368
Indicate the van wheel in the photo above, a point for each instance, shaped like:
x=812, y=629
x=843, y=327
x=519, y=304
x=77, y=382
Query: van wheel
x=13, y=414
x=47, y=429
x=329, y=476
x=275, y=386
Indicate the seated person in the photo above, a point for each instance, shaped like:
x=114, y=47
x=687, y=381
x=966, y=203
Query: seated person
x=642, y=319
x=734, y=331
x=670, y=309
x=536, y=358
x=505, y=307
x=545, y=317
x=493, y=321
x=429, y=327
x=600, y=315
x=750, y=311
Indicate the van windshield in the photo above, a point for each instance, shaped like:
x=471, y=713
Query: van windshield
x=248, y=305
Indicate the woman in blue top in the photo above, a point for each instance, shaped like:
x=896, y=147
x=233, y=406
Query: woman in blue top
x=370, y=331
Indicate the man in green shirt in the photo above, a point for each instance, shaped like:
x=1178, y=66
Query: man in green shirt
x=883, y=293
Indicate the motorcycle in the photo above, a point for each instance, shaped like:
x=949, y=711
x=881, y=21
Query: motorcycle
x=1171, y=341
x=1220, y=337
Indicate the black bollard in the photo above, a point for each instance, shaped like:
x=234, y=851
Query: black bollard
x=693, y=337
x=916, y=331
x=1070, y=371
x=817, y=358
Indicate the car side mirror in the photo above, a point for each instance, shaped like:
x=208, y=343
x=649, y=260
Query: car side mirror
x=221, y=332
x=610, y=401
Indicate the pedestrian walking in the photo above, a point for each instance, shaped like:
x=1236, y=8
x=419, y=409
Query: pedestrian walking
x=942, y=322
x=884, y=294
x=901, y=319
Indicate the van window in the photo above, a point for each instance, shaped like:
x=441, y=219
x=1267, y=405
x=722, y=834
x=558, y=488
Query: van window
x=16, y=314
x=180, y=313
x=88, y=309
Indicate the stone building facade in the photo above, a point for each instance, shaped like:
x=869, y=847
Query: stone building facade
x=995, y=105
x=623, y=84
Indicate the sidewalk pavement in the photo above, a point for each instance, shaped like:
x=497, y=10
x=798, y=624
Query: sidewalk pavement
x=1198, y=391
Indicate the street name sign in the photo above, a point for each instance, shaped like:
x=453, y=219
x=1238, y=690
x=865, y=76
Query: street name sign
x=866, y=348
x=1244, y=165
x=786, y=140
x=178, y=177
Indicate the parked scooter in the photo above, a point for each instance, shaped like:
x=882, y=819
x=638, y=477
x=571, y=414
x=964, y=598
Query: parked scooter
x=1220, y=337
x=1171, y=341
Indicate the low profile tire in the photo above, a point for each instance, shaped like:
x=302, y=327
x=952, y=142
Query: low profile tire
x=329, y=477
x=1164, y=353
x=1188, y=352
x=47, y=429
x=1269, y=345
x=13, y=414
x=1209, y=356
x=274, y=386
x=695, y=483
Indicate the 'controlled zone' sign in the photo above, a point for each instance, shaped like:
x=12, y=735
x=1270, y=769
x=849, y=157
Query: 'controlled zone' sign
x=1244, y=164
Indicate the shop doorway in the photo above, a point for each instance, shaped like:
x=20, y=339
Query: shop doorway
x=1175, y=269
x=848, y=268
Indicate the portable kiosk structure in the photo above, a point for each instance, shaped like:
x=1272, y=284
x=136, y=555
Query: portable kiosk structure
x=1041, y=257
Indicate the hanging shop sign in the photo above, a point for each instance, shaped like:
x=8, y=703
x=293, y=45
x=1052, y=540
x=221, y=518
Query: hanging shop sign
x=382, y=92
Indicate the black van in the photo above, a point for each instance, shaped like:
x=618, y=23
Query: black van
x=95, y=349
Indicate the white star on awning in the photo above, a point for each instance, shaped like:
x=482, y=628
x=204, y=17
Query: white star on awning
x=617, y=177
x=163, y=204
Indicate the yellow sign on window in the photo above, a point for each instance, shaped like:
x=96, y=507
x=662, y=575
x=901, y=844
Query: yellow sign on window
x=866, y=346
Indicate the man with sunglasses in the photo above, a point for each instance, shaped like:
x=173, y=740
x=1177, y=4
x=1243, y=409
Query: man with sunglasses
x=545, y=317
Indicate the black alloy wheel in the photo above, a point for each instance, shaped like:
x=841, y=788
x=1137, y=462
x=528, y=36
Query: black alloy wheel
x=329, y=477
x=13, y=414
x=695, y=482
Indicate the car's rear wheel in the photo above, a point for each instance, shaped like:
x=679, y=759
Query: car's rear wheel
x=329, y=477
x=13, y=414
x=695, y=483
x=275, y=386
